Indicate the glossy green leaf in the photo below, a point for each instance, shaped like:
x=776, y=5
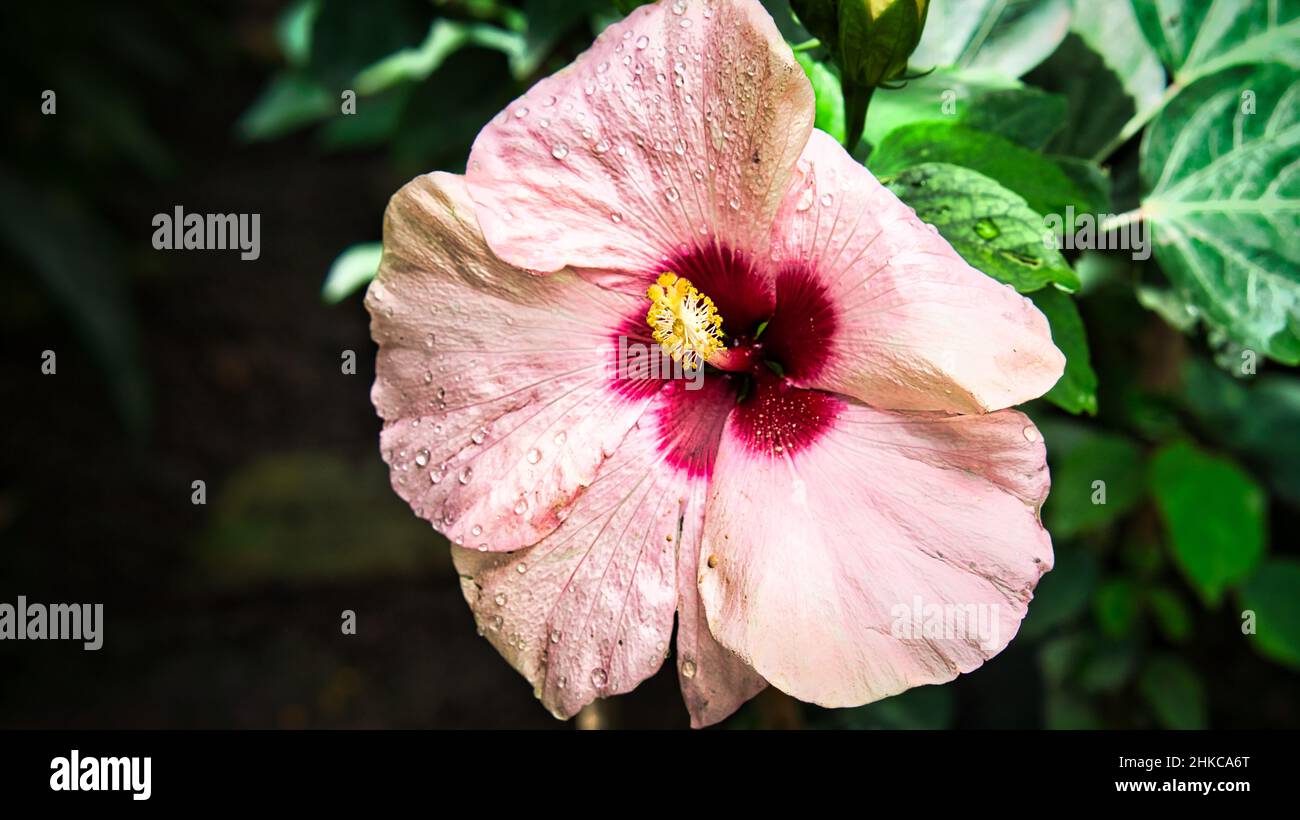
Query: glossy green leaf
x=1076, y=392
x=1195, y=38
x=1223, y=199
x=1273, y=594
x=1044, y=186
x=1214, y=513
x=1027, y=116
x=941, y=95
x=992, y=228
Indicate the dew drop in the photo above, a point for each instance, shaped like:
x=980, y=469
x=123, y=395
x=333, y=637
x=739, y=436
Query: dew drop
x=599, y=677
x=500, y=599
x=560, y=151
x=521, y=506
x=521, y=568
x=672, y=195
x=1031, y=433
x=601, y=147
x=827, y=199
x=561, y=437
x=688, y=669
x=422, y=458
x=479, y=435
x=555, y=636
x=496, y=623
x=466, y=474
x=476, y=531
x=520, y=113
x=642, y=42
x=534, y=456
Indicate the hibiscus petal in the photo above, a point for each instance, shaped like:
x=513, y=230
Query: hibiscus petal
x=816, y=554
x=679, y=126
x=715, y=681
x=495, y=386
x=588, y=611
x=873, y=303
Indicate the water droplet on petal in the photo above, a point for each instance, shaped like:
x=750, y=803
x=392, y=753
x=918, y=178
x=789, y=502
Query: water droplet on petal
x=688, y=669
x=422, y=458
x=599, y=677
x=534, y=456
x=521, y=506
x=476, y=531
x=561, y=437
x=555, y=636
x=466, y=474
x=500, y=599
x=560, y=151
x=672, y=195
x=642, y=42
x=521, y=568
x=1031, y=433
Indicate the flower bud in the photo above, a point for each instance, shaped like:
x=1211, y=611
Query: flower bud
x=870, y=40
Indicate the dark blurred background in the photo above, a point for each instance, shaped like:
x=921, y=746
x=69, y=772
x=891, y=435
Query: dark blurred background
x=181, y=366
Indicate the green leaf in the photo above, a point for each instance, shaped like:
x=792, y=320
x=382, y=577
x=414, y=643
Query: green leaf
x=1175, y=693
x=1254, y=418
x=1214, y=513
x=1116, y=606
x=1027, y=116
x=1109, y=74
x=1009, y=36
x=1091, y=457
x=352, y=270
x=1076, y=392
x=1223, y=201
x=347, y=36
x=826, y=90
x=1273, y=594
x=939, y=96
x=1170, y=612
x=293, y=31
x=1045, y=187
x=290, y=101
x=992, y=228
x=1195, y=38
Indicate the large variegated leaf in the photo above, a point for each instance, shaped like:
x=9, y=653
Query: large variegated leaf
x=1195, y=38
x=1221, y=168
x=1009, y=36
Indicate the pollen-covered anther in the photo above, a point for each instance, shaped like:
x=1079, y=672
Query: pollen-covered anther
x=683, y=321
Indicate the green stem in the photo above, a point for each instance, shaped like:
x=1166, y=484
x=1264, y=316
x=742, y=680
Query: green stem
x=856, y=101
x=807, y=45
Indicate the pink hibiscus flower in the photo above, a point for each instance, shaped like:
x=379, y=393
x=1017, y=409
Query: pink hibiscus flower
x=846, y=462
